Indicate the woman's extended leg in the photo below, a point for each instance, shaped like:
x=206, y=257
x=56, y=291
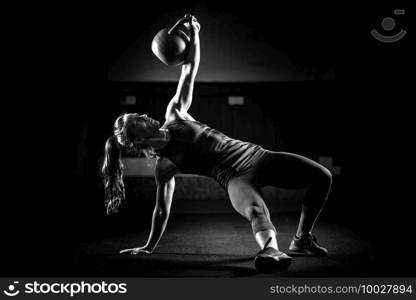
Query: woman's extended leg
x=246, y=198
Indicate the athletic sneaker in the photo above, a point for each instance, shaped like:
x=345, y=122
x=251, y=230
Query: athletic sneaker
x=271, y=260
x=307, y=245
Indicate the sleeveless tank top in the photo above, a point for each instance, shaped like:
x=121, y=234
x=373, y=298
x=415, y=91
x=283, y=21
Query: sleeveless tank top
x=195, y=148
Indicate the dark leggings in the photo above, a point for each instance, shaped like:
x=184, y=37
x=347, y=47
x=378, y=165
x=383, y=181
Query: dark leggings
x=282, y=170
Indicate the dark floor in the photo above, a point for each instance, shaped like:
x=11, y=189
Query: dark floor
x=223, y=246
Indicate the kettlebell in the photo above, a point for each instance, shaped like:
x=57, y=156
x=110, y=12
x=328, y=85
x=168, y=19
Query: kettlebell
x=172, y=45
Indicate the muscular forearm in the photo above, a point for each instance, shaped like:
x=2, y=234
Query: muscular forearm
x=192, y=63
x=195, y=51
x=159, y=221
x=184, y=91
x=188, y=74
x=164, y=194
x=190, y=67
x=186, y=84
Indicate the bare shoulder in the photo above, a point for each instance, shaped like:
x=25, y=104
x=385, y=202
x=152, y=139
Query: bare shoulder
x=165, y=169
x=173, y=113
x=164, y=164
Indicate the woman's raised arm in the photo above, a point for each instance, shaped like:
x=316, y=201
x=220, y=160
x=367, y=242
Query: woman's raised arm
x=184, y=91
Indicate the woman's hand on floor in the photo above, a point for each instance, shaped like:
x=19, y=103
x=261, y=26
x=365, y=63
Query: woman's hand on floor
x=135, y=251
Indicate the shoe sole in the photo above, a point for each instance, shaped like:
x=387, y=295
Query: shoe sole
x=268, y=264
x=305, y=252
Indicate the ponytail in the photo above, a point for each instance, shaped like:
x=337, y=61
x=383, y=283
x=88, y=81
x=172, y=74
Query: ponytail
x=113, y=176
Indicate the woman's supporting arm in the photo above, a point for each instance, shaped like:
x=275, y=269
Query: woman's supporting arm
x=161, y=212
x=165, y=183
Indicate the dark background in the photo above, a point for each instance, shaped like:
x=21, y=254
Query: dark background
x=361, y=117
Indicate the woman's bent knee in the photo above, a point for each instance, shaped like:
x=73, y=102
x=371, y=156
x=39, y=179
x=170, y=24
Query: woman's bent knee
x=326, y=175
x=321, y=176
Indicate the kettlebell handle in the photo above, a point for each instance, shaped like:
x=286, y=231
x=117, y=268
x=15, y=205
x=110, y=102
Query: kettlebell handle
x=184, y=19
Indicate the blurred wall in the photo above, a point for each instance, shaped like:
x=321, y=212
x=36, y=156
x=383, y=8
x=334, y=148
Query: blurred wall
x=232, y=50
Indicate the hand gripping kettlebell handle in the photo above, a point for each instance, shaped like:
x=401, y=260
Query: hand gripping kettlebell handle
x=184, y=19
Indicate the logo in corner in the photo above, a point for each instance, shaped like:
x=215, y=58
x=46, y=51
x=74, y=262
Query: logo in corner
x=12, y=291
x=389, y=24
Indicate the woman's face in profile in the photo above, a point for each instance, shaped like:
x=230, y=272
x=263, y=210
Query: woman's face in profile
x=141, y=127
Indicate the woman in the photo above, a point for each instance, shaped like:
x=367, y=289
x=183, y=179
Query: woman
x=185, y=145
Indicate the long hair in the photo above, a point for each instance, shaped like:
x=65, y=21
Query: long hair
x=113, y=167
x=113, y=176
